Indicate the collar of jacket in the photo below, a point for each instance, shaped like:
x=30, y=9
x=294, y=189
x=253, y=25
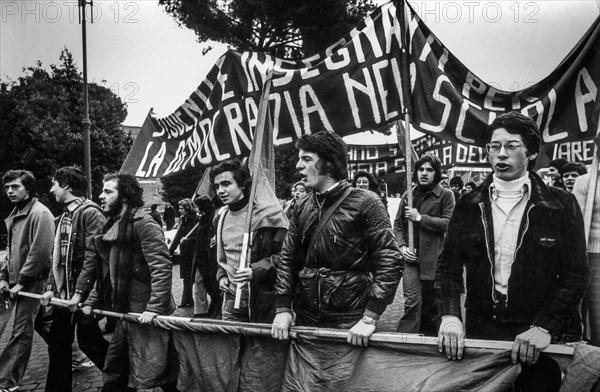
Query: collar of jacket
x=25, y=211
x=436, y=190
x=540, y=195
x=333, y=194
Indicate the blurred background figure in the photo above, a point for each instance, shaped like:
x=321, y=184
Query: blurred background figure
x=554, y=173
x=469, y=186
x=186, y=241
x=204, y=268
x=569, y=173
x=456, y=186
x=298, y=191
x=155, y=214
x=365, y=180
x=169, y=216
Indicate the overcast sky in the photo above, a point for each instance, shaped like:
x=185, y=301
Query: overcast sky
x=141, y=53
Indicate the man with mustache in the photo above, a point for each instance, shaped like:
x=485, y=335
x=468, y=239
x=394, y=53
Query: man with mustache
x=343, y=272
x=523, y=246
x=30, y=228
x=430, y=214
x=135, y=257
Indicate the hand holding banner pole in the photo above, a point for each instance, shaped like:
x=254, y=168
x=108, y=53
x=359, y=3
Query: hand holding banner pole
x=254, y=165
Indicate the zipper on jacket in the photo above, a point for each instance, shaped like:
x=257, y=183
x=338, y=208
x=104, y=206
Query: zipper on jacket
x=487, y=235
x=520, y=242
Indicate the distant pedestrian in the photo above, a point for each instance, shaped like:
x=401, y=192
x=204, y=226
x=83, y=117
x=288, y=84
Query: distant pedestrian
x=569, y=173
x=186, y=241
x=169, y=216
x=155, y=214
x=204, y=268
x=30, y=228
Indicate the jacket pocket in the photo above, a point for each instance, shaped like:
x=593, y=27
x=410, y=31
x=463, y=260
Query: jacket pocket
x=345, y=291
x=308, y=288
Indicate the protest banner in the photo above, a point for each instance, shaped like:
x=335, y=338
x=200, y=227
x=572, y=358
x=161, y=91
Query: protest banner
x=355, y=85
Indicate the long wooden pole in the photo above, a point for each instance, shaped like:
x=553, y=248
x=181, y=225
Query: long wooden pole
x=591, y=194
x=405, y=79
x=263, y=110
x=324, y=333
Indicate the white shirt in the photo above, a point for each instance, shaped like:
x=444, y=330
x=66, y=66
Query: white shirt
x=508, y=200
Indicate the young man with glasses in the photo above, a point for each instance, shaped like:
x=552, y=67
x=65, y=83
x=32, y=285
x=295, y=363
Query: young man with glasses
x=523, y=246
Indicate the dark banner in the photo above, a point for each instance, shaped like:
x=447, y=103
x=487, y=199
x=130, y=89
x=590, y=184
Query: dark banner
x=384, y=159
x=355, y=85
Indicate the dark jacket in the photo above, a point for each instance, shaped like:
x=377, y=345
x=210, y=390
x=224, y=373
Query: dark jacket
x=87, y=222
x=30, y=242
x=357, y=250
x=150, y=286
x=436, y=210
x=186, y=248
x=550, y=271
x=264, y=259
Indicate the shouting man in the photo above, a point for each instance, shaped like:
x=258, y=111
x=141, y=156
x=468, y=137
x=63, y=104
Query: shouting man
x=340, y=263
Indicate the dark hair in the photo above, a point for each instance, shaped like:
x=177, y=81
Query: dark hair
x=187, y=202
x=558, y=163
x=241, y=174
x=471, y=184
x=572, y=167
x=435, y=164
x=73, y=177
x=518, y=124
x=205, y=206
x=373, y=183
x=457, y=180
x=331, y=149
x=129, y=188
x=27, y=179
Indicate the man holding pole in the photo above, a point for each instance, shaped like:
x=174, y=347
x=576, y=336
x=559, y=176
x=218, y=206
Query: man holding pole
x=340, y=263
x=430, y=212
x=72, y=277
x=523, y=246
x=30, y=228
x=135, y=256
x=256, y=280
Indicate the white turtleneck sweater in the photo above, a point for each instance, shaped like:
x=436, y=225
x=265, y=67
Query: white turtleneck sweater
x=508, y=200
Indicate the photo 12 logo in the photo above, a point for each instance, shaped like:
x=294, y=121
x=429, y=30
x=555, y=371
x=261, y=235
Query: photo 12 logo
x=475, y=11
x=69, y=11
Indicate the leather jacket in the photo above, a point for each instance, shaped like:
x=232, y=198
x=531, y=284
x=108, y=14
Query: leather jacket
x=354, y=266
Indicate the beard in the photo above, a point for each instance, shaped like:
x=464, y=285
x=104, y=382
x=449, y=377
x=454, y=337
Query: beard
x=114, y=208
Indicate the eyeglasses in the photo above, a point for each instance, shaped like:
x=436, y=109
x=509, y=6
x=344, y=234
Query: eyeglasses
x=495, y=147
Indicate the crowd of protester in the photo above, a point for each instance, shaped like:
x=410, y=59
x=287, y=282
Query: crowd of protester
x=329, y=257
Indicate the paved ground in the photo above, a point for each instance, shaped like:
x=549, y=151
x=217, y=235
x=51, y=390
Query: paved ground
x=90, y=379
